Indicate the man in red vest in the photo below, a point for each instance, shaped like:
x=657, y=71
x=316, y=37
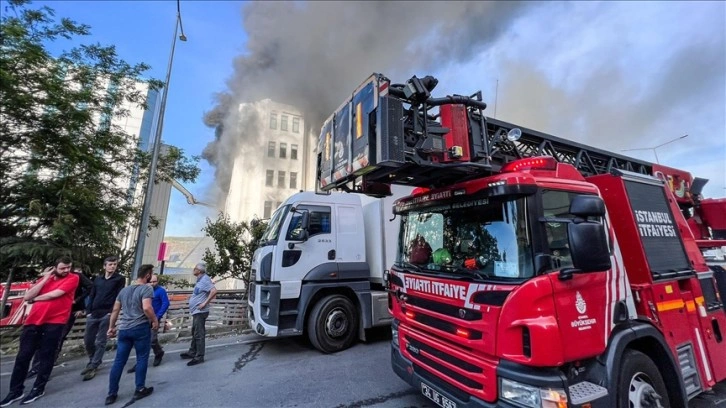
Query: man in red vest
x=51, y=299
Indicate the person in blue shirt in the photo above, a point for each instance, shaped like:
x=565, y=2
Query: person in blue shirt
x=160, y=303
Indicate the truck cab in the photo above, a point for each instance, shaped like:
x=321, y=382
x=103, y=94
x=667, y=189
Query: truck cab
x=319, y=268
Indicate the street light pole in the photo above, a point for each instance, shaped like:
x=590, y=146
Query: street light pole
x=656, y=147
x=144, y=226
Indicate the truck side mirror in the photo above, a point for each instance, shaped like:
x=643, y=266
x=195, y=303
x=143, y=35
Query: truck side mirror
x=588, y=243
x=587, y=206
x=588, y=246
x=300, y=234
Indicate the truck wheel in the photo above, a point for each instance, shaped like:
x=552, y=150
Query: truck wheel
x=332, y=324
x=640, y=384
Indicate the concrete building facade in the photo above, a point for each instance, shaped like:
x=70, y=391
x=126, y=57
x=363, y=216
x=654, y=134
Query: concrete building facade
x=275, y=160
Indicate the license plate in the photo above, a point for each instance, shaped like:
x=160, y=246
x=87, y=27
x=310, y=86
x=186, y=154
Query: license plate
x=436, y=397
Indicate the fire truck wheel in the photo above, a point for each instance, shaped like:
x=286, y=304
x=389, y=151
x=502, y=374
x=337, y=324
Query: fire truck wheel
x=332, y=324
x=640, y=384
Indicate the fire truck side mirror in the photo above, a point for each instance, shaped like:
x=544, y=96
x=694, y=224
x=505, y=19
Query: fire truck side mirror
x=587, y=206
x=588, y=246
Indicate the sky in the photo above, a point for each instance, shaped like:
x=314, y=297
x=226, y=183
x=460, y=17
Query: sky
x=615, y=75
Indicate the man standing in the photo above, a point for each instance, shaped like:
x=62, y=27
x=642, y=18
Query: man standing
x=51, y=298
x=106, y=288
x=160, y=304
x=134, y=330
x=84, y=289
x=204, y=292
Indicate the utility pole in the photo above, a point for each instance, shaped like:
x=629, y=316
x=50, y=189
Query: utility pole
x=144, y=225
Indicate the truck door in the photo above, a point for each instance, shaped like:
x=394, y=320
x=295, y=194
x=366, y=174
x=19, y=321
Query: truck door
x=580, y=301
x=314, y=256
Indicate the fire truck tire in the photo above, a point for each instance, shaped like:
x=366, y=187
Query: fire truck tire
x=332, y=324
x=640, y=384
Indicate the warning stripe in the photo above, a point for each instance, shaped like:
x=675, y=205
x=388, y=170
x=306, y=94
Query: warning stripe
x=690, y=306
x=670, y=305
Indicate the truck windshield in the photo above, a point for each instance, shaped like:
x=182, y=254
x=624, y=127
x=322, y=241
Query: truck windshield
x=273, y=228
x=487, y=239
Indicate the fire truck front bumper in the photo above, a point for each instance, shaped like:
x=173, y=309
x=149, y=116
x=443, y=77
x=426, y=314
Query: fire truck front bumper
x=430, y=387
x=446, y=395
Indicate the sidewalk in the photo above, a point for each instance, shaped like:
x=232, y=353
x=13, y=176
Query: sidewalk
x=73, y=354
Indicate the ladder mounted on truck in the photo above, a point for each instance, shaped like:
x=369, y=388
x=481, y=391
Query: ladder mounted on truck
x=398, y=134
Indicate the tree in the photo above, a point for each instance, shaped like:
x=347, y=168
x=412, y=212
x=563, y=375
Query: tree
x=65, y=163
x=235, y=244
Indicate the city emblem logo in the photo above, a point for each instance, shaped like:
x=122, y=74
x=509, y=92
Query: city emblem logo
x=580, y=304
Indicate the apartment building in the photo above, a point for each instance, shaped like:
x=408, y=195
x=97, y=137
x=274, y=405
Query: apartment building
x=276, y=160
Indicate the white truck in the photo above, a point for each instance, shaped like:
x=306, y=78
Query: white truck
x=319, y=268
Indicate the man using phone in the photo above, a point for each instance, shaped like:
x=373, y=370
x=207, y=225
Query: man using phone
x=51, y=299
x=82, y=291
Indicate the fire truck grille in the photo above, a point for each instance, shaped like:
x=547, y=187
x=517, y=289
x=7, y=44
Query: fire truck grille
x=443, y=356
x=444, y=309
x=445, y=326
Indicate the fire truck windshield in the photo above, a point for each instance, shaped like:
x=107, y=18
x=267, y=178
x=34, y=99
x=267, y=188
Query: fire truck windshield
x=489, y=240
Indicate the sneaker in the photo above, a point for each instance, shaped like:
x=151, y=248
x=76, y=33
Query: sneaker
x=157, y=358
x=12, y=397
x=32, y=373
x=34, y=394
x=111, y=399
x=186, y=356
x=89, y=375
x=195, y=361
x=132, y=369
x=86, y=370
x=143, y=392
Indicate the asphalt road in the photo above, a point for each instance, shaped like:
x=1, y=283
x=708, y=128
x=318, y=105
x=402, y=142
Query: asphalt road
x=247, y=371
x=243, y=371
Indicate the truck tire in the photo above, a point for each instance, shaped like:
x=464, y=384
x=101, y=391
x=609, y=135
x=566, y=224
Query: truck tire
x=332, y=324
x=640, y=384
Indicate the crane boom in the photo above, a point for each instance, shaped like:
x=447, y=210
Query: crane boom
x=190, y=198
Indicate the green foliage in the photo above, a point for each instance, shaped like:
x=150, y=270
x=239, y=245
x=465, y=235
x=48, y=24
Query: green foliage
x=235, y=244
x=65, y=163
x=171, y=282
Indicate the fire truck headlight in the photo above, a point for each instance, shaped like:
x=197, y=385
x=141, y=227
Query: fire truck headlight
x=529, y=396
x=521, y=394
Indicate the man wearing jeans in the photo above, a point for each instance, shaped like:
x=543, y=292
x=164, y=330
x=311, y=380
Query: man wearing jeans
x=204, y=292
x=106, y=288
x=134, y=330
x=51, y=299
x=161, y=305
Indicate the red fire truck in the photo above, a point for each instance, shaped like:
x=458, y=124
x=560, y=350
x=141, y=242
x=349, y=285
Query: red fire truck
x=533, y=271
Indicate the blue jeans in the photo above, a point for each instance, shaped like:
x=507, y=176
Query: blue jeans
x=139, y=338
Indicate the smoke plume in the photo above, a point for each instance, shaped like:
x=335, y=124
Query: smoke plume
x=312, y=55
x=614, y=75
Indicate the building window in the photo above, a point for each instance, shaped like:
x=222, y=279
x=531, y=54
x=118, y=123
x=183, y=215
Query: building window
x=293, y=179
x=293, y=152
x=268, y=179
x=271, y=149
x=296, y=125
x=273, y=121
x=281, y=179
x=283, y=150
x=268, y=209
x=283, y=122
